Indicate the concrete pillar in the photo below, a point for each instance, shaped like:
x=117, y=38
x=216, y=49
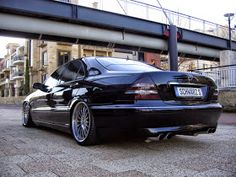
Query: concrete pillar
x=17, y=91
x=17, y=88
x=227, y=57
x=228, y=76
x=10, y=90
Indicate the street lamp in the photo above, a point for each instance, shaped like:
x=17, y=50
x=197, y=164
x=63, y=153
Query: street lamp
x=230, y=16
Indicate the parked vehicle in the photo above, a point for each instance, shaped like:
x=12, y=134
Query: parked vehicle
x=86, y=94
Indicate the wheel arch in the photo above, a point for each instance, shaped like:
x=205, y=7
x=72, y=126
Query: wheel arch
x=73, y=104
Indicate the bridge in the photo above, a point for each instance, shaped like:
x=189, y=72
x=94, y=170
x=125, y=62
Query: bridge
x=58, y=21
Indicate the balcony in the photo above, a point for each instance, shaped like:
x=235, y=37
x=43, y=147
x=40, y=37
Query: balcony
x=17, y=60
x=17, y=75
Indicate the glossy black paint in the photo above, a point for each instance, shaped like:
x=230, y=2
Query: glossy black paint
x=103, y=89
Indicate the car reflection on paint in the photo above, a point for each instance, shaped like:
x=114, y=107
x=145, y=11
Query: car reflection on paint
x=86, y=94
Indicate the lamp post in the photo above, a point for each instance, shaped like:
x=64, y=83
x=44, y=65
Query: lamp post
x=230, y=16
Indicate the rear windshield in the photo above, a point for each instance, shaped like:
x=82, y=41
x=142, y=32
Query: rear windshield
x=118, y=64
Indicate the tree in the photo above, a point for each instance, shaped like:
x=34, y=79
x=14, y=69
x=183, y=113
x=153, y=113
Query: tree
x=26, y=85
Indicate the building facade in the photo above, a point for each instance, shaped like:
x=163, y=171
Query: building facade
x=12, y=71
x=43, y=58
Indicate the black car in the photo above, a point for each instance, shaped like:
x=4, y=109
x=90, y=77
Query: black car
x=86, y=94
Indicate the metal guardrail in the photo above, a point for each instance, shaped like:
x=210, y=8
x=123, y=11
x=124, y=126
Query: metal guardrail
x=154, y=13
x=224, y=76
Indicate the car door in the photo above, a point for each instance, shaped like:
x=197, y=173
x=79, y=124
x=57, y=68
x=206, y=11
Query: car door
x=42, y=105
x=61, y=95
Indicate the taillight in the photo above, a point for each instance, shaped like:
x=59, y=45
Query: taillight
x=143, y=89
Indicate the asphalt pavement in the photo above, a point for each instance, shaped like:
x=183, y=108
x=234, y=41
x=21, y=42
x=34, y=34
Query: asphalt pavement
x=46, y=152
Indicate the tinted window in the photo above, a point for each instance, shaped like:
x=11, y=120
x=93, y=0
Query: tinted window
x=72, y=71
x=53, y=80
x=116, y=64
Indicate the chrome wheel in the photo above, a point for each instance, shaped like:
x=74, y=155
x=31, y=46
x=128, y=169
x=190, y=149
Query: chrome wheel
x=81, y=122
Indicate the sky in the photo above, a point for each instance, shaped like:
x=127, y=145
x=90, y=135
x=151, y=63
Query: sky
x=210, y=10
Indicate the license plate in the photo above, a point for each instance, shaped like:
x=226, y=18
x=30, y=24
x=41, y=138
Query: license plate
x=188, y=92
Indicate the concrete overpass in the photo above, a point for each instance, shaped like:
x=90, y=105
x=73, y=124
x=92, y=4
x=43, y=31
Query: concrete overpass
x=57, y=21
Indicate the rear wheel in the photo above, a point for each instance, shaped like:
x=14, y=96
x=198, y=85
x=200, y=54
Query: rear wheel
x=26, y=117
x=82, y=125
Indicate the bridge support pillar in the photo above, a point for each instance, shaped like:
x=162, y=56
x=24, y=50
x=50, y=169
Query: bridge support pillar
x=227, y=95
x=172, y=48
x=227, y=57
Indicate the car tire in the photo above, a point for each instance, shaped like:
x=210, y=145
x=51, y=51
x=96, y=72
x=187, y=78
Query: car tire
x=26, y=116
x=83, y=125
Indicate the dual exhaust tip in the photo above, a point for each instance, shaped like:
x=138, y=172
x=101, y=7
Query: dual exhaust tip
x=211, y=130
x=162, y=136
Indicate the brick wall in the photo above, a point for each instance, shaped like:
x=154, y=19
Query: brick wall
x=152, y=58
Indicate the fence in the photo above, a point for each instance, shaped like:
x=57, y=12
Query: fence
x=224, y=76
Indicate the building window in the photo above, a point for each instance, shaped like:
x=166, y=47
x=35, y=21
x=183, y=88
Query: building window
x=63, y=57
x=44, y=58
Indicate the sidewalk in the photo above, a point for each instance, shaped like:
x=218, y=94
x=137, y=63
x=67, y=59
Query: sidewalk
x=227, y=119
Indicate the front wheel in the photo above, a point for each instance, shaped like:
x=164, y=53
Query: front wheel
x=82, y=125
x=26, y=117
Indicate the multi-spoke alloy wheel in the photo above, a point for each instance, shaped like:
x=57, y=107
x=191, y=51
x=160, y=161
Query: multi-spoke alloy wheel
x=82, y=125
x=26, y=118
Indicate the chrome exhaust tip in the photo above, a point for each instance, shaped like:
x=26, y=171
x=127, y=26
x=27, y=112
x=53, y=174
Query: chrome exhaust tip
x=213, y=130
x=161, y=136
x=209, y=130
x=169, y=136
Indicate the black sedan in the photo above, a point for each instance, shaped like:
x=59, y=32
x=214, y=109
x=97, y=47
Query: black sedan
x=86, y=94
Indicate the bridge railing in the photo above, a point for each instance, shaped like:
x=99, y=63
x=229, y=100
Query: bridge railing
x=224, y=76
x=154, y=13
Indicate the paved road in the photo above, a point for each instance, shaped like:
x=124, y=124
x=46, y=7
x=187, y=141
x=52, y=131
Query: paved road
x=43, y=152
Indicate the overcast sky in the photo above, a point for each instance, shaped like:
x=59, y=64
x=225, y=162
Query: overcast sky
x=211, y=10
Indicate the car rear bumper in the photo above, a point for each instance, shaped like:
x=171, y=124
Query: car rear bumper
x=165, y=115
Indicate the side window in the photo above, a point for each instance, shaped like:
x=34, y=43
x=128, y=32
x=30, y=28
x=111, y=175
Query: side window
x=53, y=80
x=73, y=70
x=81, y=71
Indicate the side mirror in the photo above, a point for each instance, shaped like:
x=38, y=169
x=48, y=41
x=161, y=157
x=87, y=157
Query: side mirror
x=40, y=86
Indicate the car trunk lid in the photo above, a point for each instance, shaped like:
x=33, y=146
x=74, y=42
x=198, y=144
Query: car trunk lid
x=183, y=86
